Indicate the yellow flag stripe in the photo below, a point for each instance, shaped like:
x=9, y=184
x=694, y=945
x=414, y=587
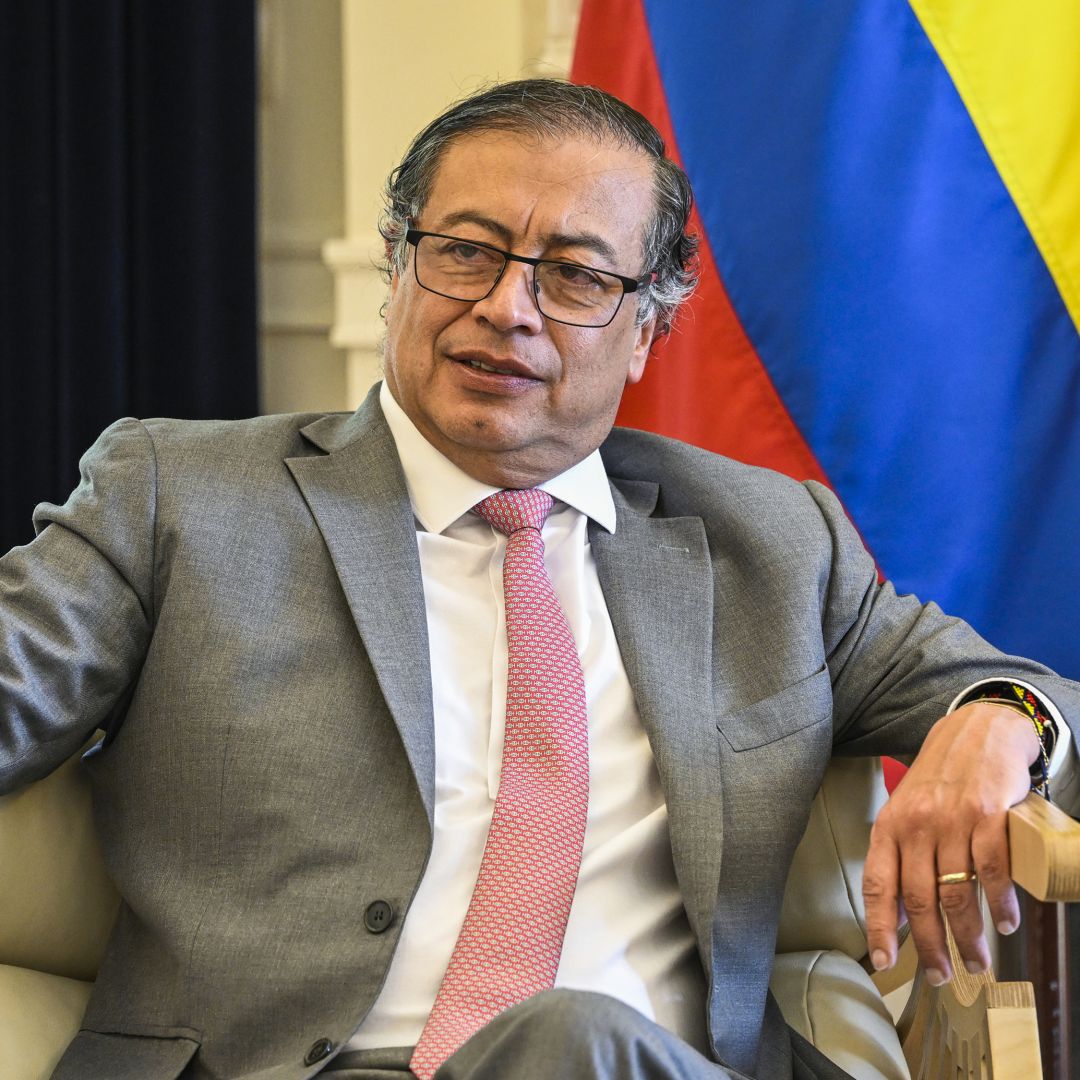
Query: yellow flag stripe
x=1016, y=65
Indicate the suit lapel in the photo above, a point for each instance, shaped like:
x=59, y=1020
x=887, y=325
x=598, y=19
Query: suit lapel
x=357, y=494
x=657, y=581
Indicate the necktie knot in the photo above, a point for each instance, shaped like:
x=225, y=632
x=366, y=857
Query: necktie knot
x=515, y=509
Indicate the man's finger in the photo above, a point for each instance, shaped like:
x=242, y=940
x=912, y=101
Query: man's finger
x=959, y=901
x=919, y=889
x=881, y=878
x=990, y=851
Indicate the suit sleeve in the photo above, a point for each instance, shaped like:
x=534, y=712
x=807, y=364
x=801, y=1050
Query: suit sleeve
x=77, y=608
x=896, y=664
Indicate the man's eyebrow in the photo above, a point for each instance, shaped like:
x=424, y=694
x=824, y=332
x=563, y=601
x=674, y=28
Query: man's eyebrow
x=471, y=217
x=587, y=240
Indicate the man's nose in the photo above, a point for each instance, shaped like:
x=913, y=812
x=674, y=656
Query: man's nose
x=511, y=304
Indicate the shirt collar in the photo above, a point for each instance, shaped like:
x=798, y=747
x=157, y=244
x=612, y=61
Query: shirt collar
x=440, y=492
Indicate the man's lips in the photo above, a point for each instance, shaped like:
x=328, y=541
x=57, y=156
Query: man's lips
x=507, y=366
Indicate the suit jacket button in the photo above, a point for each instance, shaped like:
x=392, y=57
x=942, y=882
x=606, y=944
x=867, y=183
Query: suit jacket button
x=378, y=916
x=320, y=1048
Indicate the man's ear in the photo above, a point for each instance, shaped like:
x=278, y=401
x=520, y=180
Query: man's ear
x=643, y=343
x=395, y=282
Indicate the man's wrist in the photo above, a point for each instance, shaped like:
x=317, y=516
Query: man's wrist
x=1022, y=699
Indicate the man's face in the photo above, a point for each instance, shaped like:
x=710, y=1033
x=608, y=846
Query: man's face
x=553, y=396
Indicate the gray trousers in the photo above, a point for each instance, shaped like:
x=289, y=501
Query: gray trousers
x=572, y=1035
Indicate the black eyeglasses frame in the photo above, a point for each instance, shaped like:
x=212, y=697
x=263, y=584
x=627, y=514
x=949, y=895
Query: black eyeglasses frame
x=629, y=284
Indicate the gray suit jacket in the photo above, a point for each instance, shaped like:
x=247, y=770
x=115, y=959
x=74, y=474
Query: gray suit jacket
x=240, y=606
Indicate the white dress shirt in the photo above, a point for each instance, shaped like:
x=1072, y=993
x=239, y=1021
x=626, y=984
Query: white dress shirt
x=627, y=935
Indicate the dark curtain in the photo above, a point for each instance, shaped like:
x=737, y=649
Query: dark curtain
x=127, y=228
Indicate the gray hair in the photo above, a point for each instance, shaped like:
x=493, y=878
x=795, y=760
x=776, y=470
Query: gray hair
x=547, y=109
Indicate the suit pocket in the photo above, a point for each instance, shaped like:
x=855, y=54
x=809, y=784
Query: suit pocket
x=99, y=1055
x=798, y=706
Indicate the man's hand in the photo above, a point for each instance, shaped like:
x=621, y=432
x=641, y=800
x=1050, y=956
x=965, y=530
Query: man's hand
x=948, y=815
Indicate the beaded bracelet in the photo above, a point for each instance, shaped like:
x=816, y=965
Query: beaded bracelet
x=1024, y=701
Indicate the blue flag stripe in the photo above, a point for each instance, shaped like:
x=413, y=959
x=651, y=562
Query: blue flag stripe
x=895, y=297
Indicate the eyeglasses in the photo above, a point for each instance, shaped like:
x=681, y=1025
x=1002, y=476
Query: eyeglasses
x=564, y=292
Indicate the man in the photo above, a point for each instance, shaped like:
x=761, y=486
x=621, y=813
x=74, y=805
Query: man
x=388, y=758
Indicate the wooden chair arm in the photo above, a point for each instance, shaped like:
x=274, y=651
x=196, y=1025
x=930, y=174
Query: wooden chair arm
x=973, y=1027
x=1044, y=850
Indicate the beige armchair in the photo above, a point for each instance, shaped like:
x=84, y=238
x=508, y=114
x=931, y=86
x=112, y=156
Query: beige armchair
x=57, y=905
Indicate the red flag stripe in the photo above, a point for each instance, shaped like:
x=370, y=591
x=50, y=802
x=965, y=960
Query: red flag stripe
x=705, y=384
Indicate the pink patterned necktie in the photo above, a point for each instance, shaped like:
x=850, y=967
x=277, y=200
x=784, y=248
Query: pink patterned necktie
x=511, y=940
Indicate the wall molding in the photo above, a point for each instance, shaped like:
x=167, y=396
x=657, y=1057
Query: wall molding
x=296, y=290
x=360, y=293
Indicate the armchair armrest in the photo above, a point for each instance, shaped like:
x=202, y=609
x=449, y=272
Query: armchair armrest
x=1044, y=850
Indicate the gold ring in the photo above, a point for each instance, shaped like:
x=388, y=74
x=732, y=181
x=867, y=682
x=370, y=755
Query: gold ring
x=957, y=879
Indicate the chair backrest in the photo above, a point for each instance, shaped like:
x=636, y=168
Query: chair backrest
x=57, y=904
x=823, y=905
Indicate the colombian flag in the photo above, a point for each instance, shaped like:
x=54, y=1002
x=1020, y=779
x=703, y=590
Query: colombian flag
x=889, y=203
